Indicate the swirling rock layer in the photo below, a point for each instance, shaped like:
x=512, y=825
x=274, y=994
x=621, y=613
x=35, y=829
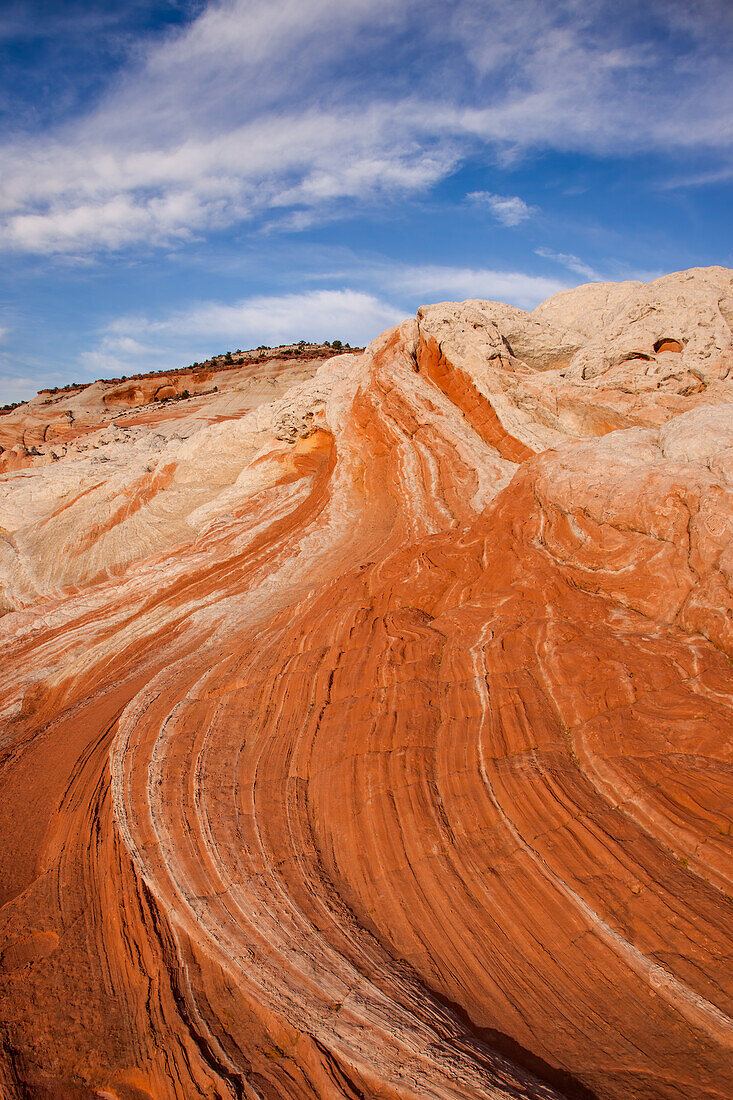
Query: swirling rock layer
x=367, y=722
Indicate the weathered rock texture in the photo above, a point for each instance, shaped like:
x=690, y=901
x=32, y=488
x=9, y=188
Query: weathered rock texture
x=366, y=724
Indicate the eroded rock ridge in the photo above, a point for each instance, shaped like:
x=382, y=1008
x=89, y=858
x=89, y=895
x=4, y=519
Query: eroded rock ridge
x=366, y=720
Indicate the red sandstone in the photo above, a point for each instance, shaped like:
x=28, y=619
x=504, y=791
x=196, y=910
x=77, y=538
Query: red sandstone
x=367, y=721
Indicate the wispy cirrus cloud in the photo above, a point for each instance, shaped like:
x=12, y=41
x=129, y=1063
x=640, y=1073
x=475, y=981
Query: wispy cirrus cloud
x=509, y=210
x=262, y=106
x=613, y=271
x=722, y=174
x=572, y=263
x=429, y=281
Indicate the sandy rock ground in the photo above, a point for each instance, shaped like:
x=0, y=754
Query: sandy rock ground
x=366, y=719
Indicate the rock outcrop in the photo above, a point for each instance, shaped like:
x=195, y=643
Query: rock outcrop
x=366, y=721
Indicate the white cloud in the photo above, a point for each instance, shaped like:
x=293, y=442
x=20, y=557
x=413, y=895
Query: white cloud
x=601, y=76
x=572, y=263
x=357, y=314
x=16, y=387
x=434, y=282
x=507, y=209
x=136, y=343
x=699, y=179
x=278, y=104
x=110, y=197
x=3, y=332
x=354, y=315
x=613, y=270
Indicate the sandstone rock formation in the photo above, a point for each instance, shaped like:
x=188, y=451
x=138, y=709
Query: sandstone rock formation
x=366, y=721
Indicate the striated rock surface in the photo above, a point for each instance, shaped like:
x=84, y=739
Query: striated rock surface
x=366, y=721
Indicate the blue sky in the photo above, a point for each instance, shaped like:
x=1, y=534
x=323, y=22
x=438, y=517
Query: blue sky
x=180, y=178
